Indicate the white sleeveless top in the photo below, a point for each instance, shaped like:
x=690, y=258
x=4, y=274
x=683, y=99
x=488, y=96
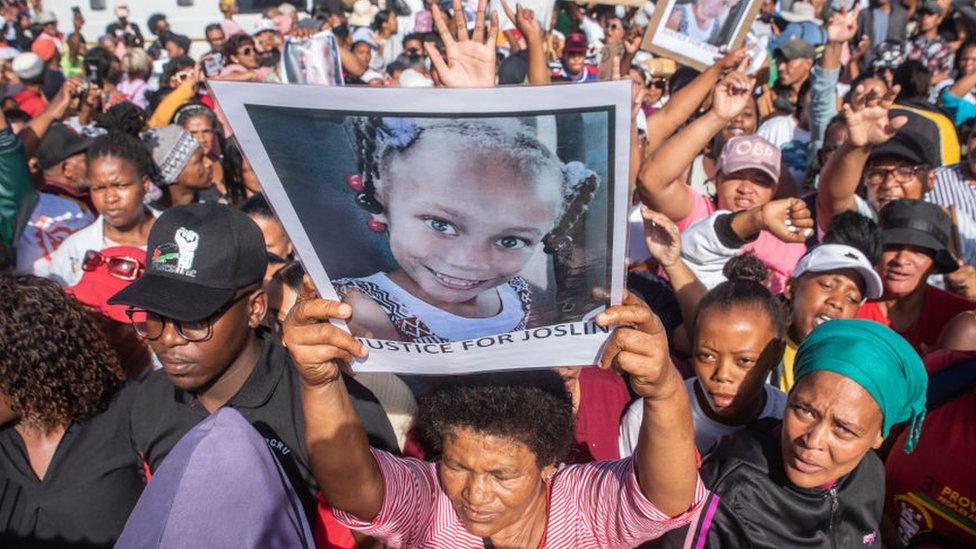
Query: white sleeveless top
x=418, y=321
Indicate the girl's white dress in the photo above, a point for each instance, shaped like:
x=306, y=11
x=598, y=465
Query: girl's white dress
x=418, y=321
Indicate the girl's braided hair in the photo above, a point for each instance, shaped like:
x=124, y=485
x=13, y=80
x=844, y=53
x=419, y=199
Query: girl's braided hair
x=379, y=140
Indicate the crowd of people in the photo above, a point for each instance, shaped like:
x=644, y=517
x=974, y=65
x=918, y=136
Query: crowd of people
x=792, y=364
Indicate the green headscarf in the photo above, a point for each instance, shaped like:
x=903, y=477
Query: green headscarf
x=879, y=360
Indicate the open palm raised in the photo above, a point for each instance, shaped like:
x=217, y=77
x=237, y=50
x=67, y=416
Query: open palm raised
x=867, y=117
x=470, y=59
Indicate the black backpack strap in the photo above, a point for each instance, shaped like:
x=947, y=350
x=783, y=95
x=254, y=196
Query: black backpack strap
x=950, y=383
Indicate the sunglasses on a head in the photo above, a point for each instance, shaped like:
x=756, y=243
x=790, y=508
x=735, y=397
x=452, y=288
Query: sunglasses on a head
x=121, y=267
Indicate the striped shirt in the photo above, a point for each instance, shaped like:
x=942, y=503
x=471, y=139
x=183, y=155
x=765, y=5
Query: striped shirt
x=954, y=188
x=597, y=504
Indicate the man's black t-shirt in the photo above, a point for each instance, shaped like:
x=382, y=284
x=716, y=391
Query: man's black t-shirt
x=88, y=491
x=270, y=400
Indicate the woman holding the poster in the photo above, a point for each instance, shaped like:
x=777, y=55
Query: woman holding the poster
x=498, y=480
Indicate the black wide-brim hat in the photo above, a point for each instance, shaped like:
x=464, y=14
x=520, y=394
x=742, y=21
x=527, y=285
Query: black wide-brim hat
x=922, y=224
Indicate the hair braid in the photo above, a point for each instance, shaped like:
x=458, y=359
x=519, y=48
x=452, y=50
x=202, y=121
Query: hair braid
x=366, y=133
x=583, y=193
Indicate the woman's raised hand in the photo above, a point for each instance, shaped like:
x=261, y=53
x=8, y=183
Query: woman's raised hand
x=319, y=349
x=524, y=20
x=638, y=347
x=787, y=219
x=867, y=117
x=470, y=59
x=661, y=236
x=734, y=92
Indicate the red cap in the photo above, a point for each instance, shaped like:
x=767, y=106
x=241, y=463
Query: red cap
x=575, y=43
x=95, y=287
x=45, y=49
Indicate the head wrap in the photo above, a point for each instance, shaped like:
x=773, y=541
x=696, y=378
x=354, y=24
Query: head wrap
x=879, y=360
x=171, y=148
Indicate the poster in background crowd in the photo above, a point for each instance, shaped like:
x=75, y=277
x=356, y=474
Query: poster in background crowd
x=313, y=60
x=693, y=32
x=469, y=229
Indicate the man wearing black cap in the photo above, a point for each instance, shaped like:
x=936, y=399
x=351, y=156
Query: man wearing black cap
x=200, y=304
x=64, y=206
x=794, y=59
x=916, y=236
x=894, y=158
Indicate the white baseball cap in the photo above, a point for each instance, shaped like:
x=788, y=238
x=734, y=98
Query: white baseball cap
x=833, y=257
x=27, y=66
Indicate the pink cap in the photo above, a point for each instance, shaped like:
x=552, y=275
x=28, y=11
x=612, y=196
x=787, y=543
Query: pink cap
x=749, y=151
x=423, y=21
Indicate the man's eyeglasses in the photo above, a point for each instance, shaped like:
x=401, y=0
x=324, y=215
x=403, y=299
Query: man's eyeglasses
x=901, y=174
x=150, y=325
x=121, y=267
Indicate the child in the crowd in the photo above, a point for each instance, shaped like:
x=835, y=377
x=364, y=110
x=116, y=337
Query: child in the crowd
x=739, y=335
x=831, y=281
x=466, y=204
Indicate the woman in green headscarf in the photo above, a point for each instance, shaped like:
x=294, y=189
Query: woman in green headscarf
x=812, y=479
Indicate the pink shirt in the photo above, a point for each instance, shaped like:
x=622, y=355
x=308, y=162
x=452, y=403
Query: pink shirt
x=596, y=504
x=780, y=257
x=230, y=27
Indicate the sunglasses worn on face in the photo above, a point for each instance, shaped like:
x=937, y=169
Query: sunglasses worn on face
x=181, y=76
x=121, y=267
x=659, y=84
x=246, y=50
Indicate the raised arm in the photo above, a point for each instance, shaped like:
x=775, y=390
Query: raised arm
x=867, y=126
x=658, y=182
x=788, y=219
x=664, y=242
x=471, y=59
x=823, y=99
x=685, y=102
x=338, y=450
x=17, y=194
x=524, y=19
x=665, y=459
x=32, y=135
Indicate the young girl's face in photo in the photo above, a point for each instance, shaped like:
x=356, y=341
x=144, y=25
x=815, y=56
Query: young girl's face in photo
x=734, y=350
x=461, y=223
x=714, y=8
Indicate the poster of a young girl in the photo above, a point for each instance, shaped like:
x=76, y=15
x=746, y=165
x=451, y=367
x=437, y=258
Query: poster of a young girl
x=449, y=233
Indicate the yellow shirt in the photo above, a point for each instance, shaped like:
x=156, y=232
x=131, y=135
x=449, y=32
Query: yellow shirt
x=785, y=371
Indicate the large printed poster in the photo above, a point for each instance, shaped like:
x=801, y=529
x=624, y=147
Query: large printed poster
x=469, y=230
